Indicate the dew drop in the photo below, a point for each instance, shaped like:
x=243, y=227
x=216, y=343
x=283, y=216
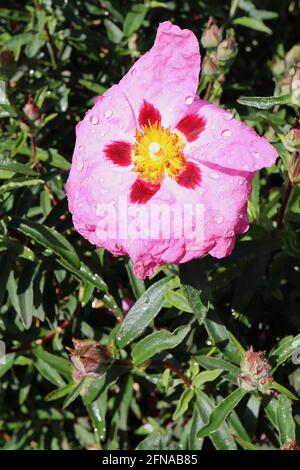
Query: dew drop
x=79, y=165
x=214, y=176
x=80, y=148
x=133, y=72
x=230, y=233
x=227, y=116
x=189, y=100
x=108, y=113
x=102, y=134
x=219, y=219
x=212, y=127
x=94, y=120
x=256, y=155
x=241, y=181
x=226, y=133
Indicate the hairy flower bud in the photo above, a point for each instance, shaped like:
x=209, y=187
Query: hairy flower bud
x=209, y=66
x=212, y=35
x=290, y=445
x=90, y=358
x=292, y=139
x=255, y=371
x=226, y=51
x=293, y=55
x=31, y=110
x=296, y=85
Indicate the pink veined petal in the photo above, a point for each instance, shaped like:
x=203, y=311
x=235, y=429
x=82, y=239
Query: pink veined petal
x=141, y=191
x=190, y=177
x=167, y=76
x=227, y=142
x=191, y=126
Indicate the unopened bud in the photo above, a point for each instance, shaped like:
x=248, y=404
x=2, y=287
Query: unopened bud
x=292, y=139
x=255, y=371
x=211, y=36
x=209, y=66
x=290, y=445
x=31, y=110
x=285, y=85
x=296, y=85
x=89, y=358
x=226, y=51
x=293, y=55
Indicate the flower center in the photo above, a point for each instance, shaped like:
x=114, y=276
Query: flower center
x=157, y=151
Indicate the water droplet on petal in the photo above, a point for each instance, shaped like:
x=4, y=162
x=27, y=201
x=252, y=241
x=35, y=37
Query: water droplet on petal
x=94, y=120
x=241, y=181
x=227, y=116
x=108, y=113
x=133, y=72
x=226, y=133
x=230, y=233
x=212, y=127
x=102, y=134
x=79, y=165
x=219, y=219
x=246, y=167
x=189, y=100
x=256, y=155
x=214, y=175
x=80, y=148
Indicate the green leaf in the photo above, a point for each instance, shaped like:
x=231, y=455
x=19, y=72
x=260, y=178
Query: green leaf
x=285, y=421
x=20, y=182
x=96, y=88
x=286, y=348
x=266, y=102
x=49, y=238
x=75, y=392
x=114, y=33
x=16, y=167
x=134, y=18
x=155, y=441
x=97, y=416
x=62, y=365
x=206, y=376
x=221, y=412
x=183, y=403
x=221, y=438
x=230, y=371
x=143, y=312
x=9, y=362
x=157, y=342
x=49, y=373
x=280, y=388
x=137, y=285
x=178, y=300
x=237, y=344
x=194, y=283
x=60, y=392
x=252, y=23
x=218, y=333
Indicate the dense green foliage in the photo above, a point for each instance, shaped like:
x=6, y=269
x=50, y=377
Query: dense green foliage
x=177, y=352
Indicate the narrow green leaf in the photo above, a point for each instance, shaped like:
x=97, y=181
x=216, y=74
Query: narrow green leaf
x=178, y=300
x=157, y=342
x=9, y=362
x=19, y=182
x=183, y=403
x=266, y=102
x=252, y=23
x=60, y=392
x=206, y=376
x=16, y=167
x=62, y=365
x=285, y=420
x=75, y=392
x=237, y=344
x=282, y=389
x=134, y=18
x=221, y=412
x=287, y=347
x=143, y=312
x=49, y=373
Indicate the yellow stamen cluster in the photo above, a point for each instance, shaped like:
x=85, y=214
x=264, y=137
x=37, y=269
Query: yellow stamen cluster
x=158, y=150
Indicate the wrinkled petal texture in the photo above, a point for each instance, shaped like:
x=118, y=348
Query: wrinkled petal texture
x=222, y=157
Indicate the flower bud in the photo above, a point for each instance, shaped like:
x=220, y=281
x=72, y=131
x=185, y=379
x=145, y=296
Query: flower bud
x=292, y=139
x=296, y=85
x=293, y=55
x=226, y=51
x=31, y=110
x=290, y=445
x=255, y=371
x=89, y=358
x=209, y=66
x=285, y=85
x=211, y=36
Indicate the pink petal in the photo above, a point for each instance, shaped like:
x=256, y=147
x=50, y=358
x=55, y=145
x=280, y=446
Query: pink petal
x=228, y=142
x=190, y=177
x=191, y=126
x=119, y=153
x=148, y=114
x=166, y=76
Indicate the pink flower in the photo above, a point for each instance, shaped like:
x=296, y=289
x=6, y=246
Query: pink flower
x=151, y=142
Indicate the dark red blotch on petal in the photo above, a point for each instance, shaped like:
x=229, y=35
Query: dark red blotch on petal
x=148, y=114
x=190, y=177
x=191, y=126
x=119, y=153
x=141, y=191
